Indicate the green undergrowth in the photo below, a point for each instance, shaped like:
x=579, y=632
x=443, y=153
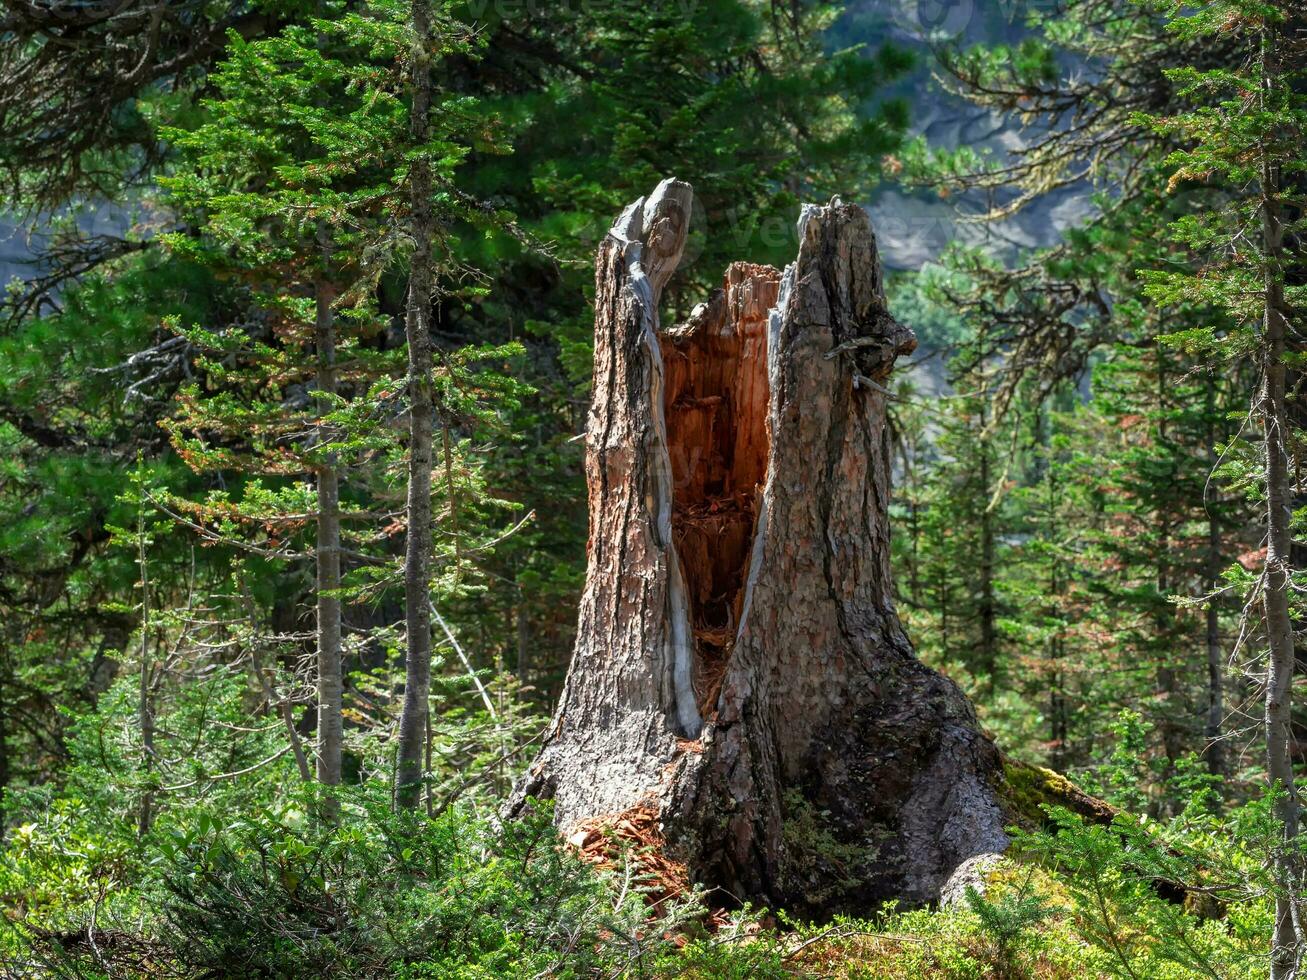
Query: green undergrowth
x=275, y=892
x=246, y=877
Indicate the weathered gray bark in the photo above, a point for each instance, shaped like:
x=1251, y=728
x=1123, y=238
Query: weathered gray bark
x=739, y=664
x=417, y=550
x=145, y=704
x=988, y=602
x=1215, y=750
x=1287, y=939
x=327, y=553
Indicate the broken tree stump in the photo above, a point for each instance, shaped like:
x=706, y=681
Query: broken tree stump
x=739, y=664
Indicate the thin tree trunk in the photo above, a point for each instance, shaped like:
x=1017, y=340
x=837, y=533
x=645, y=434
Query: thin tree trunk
x=1279, y=628
x=330, y=693
x=1215, y=750
x=4, y=741
x=275, y=701
x=523, y=638
x=145, y=705
x=330, y=682
x=1215, y=669
x=1279, y=672
x=1171, y=717
x=417, y=552
x=988, y=605
x=1059, y=726
x=740, y=675
x=1059, y=733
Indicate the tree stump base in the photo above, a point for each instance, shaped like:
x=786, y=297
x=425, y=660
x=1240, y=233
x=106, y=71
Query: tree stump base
x=739, y=664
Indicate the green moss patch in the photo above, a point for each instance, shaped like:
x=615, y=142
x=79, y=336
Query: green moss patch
x=1026, y=789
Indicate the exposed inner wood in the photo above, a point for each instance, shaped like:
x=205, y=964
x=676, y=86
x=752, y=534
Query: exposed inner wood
x=716, y=410
x=823, y=713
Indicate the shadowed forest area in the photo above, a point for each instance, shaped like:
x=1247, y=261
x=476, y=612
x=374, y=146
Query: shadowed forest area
x=687, y=488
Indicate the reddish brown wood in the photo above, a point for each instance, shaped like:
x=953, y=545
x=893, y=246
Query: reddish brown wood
x=739, y=664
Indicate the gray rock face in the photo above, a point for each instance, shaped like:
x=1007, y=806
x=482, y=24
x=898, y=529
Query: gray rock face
x=13, y=253
x=972, y=873
x=21, y=237
x=915, y=227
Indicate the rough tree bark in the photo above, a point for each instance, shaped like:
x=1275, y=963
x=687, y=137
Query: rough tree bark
x=1215, y=750
x=1288, y=937
x=739, y=666
x=417, y=549
x=330, y=683
x=988, y=602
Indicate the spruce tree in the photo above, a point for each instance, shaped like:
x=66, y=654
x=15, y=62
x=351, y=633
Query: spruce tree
x=1246, y=131
x=303, y=174
x=414, y=720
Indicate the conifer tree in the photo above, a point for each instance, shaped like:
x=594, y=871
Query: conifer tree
x=282, y=167
x=414, y=721
x=961, y=509
x=1168, y=532
x=1096, y=71
x=303, y=175
x=1246, y=131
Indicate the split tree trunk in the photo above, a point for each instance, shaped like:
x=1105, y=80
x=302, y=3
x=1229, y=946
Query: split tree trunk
x=739, y=666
